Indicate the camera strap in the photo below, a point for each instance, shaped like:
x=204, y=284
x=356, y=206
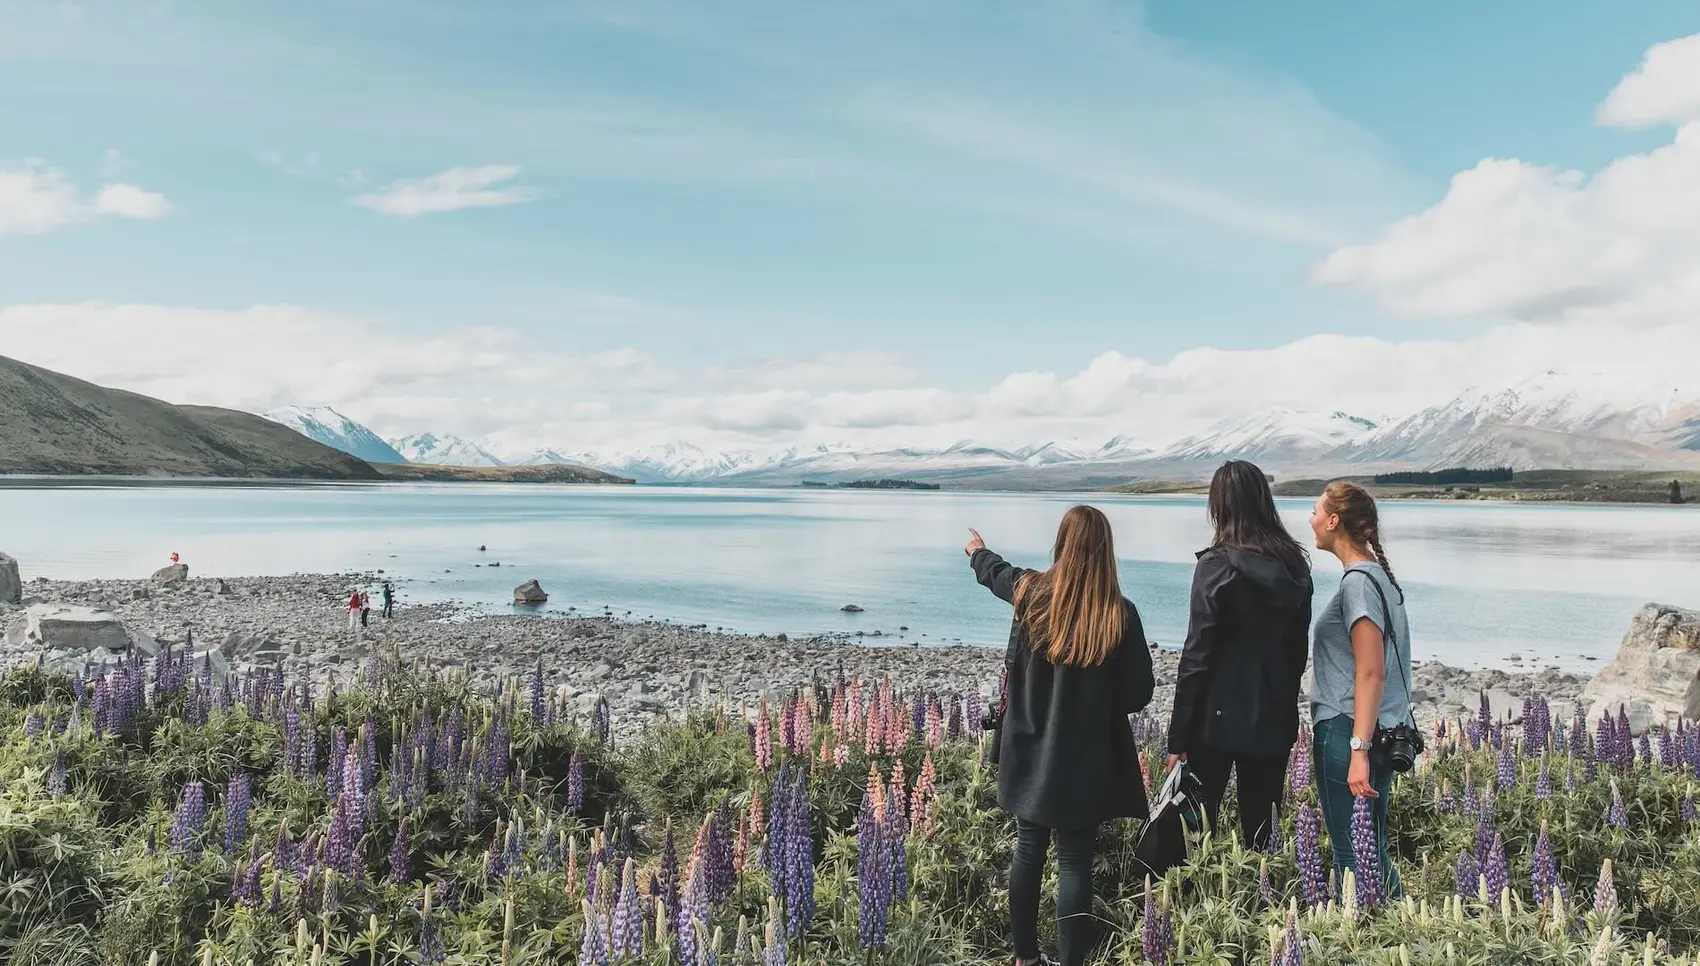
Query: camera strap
x=1390, y=635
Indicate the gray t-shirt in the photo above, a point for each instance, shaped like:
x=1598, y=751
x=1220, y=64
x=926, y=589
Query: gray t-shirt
x=1334, y=671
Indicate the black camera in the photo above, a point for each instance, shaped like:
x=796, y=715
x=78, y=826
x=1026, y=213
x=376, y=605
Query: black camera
x=1401, y=743
x=990, y=721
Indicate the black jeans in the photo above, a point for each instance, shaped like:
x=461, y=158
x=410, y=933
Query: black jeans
x=389, y=608
x=1260, y=782
x=1074, y=890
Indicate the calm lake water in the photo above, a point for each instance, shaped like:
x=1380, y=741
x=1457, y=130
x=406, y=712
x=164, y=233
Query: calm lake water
x=1553, y=584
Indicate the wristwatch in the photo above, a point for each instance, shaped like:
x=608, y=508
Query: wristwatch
x=1358, y=744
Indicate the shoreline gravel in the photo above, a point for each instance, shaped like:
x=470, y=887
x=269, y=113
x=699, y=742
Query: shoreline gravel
x=643, y=668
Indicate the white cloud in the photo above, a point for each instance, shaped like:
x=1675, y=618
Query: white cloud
x=38, y=198
x=1518, y=240
x=1665, y=89
x=524, y=394
x=129, y=201
x=452, y=190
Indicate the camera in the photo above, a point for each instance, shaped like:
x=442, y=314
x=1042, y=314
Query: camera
x=1401, y=743
x=990, y=721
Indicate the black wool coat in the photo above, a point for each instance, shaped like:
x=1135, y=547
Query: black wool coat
x=1237, y=689
x=1067, y=757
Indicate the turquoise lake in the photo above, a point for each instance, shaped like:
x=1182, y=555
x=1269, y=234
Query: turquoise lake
x=1555, y=585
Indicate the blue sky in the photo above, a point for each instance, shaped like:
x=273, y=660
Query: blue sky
x=715, y=217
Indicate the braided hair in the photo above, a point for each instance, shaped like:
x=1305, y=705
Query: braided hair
x=1356, y=510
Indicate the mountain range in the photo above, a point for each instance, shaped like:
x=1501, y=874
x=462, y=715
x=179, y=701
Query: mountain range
x=1554, y=421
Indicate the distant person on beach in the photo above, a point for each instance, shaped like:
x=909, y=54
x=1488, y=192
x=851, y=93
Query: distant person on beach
x=1237, y=690
x=389, y=600
x=175, y=558
x=354, y=610
x=1077, y=666
x=365, y=608
x=1361, y=692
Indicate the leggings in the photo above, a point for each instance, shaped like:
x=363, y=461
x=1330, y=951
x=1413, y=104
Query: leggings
x=1074, y=890
x=1260, y=783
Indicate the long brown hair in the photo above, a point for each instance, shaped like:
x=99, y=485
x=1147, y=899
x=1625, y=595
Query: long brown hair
x=1242, y=511
x=1073, y=611
x=1358, y=517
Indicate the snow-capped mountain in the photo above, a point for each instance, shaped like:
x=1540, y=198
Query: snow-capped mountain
x=325, y=425
x=538, y=457
x=1277, y=434
x=444, y=450
x=1589, y=406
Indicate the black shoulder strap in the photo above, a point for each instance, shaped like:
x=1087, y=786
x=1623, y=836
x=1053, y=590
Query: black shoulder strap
x=1388, y=631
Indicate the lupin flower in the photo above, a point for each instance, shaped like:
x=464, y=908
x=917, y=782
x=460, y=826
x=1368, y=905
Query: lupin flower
x=1605, y=892
x=58, y=779
x=1495, y=869
x=1616, y=815
x=593, y=947
x=1312, y=879
x=1543, y=869
x=1469, y=874
x=602, y=720
x=764, y=739
x=190, y=818
x=1156, y=932
x=626, y=924
x=1543, y=781
x=1366, y=857
x=1292, y=945
x=670, y=875
x=1690, y=815
x=873, y=876
x=237, y=800
x=1505, y=775
x=575, y=783
x=399, y=854
x=1298, y=767
x=1644, y=750
x=773, y=954
x=1265, y=892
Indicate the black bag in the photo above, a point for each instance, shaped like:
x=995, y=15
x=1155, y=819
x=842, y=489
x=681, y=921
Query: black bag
x=992, y=724
x=1175, y=811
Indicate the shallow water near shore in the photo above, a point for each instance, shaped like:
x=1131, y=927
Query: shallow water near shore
x=1555, y=585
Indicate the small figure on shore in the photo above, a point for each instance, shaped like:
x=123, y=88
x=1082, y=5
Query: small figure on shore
x=175, y=558
x=354, y=610
x=389, y=600
x=365, y=608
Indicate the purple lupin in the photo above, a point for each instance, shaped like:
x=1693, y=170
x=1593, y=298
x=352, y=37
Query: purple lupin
x=1617, y=816
x=1312, y=879
x=190, y=818
x=399, y=854
x=575, y=783
x=237, y=800
x=1366, y=857
x=1156, y=932
x=1468, y=875
x=873, y=877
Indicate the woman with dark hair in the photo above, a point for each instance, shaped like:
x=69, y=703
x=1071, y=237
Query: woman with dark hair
x=1078, y=665
x=1237, y=690
x=1362, y=681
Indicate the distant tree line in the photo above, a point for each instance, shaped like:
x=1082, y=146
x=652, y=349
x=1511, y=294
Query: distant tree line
x=874, y=485
x=1449, y=477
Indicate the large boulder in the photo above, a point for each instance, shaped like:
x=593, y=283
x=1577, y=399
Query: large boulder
x=11, y=585
x=68, y=638
x=1656, y=675
x=530, y=592
x=172, y=575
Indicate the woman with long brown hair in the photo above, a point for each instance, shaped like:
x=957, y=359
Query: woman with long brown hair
x=1237, y=690
x=1077, y=666
x=1361, y=652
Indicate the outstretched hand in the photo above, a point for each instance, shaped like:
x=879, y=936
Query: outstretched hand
x=974, y=542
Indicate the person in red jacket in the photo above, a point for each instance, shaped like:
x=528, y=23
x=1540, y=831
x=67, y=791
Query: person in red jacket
x=354, y=610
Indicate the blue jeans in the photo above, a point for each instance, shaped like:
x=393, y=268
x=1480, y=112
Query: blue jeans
x=1075, y=926
x=1331, y=756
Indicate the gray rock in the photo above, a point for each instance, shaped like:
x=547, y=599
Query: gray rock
x=1656, y=674
x=851, y=608
x=140, y=593
x=171, y=576
x=221, y=589
x=11, y=585
x=530, y=592
x=44, y=627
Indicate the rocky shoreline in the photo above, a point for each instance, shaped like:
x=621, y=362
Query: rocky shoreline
x=643, y=668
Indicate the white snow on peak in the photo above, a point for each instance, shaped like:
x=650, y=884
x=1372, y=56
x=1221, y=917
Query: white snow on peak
x=325, y=425
x=1273, y=432
x=444, y=450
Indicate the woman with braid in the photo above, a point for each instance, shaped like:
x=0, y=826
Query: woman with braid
x=1361, y=655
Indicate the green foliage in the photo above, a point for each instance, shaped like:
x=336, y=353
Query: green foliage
x=88, y=874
